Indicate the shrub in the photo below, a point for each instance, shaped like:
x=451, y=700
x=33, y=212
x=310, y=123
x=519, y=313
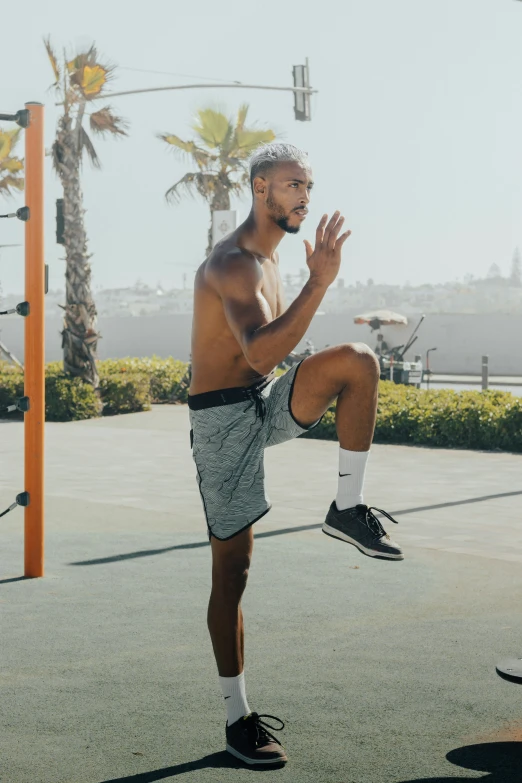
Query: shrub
x=443, y=417
x=124, y=393
x=164, y=375
x=11, y=389
x=69, y=399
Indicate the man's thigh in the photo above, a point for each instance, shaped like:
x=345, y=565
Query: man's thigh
x=319, y=381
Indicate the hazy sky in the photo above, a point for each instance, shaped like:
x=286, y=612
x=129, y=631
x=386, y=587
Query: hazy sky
x=415, y=136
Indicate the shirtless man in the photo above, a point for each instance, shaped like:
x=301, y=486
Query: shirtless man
x=242, y=330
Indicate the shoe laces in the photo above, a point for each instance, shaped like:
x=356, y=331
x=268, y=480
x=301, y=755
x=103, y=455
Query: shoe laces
x=373, y=523
x=258, y=726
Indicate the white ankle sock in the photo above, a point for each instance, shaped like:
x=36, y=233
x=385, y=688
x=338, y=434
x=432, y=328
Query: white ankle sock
x=352, y=466
x=235, y=697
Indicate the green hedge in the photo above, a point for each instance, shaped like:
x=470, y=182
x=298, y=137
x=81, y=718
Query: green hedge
x=445, y=418
x=165, y=375
x=406, y=415
x=69, y=399
x=125, y=394
x=11, y=388
x=66, y=399
x=126, y=386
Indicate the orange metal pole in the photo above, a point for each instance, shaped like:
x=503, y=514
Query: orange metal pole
x=34, y=361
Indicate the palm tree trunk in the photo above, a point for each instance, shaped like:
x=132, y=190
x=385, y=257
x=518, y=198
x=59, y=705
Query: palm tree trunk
x=79, y=335
x=221, y=200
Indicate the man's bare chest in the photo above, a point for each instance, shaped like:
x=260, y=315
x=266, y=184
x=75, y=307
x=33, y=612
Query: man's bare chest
x=272, y=290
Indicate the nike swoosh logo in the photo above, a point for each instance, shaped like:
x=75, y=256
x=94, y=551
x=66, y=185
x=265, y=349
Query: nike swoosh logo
x=227, y=697
x=342, y=475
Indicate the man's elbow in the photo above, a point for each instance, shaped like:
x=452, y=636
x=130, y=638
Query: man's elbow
x=259, y=362
x=261, y=365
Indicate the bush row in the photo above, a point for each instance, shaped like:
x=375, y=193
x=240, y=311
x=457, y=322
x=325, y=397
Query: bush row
x=406, y=415
x=487, y=420
x=126, y=386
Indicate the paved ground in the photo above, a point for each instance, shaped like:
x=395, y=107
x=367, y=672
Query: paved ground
x=383, y=672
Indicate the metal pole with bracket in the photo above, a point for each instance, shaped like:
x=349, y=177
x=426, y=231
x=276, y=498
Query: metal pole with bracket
x=34, y=361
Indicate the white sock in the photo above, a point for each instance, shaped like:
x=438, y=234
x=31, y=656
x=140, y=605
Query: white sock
x=352, y=466
x=235, y=697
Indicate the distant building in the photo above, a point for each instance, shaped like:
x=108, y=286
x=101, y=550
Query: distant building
x=482, y=296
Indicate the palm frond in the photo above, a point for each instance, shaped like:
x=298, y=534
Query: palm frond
x=54, y=61
x=87, y=75
x=190, y=148
x=247, y=140
x=10, y=165
x=212, y=127
x=8, y=141
x=93, y=80
x=227, y=143
x=244, y=180
x=241, y=117
x=192, y=183
x=104, y=121
x=87, y=145
x=236, y=188
x=10, y=183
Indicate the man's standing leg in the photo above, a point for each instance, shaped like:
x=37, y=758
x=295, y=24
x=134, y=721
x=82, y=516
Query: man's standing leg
x=230, y=565
x=246, y=732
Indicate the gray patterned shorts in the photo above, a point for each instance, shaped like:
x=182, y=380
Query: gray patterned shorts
x=228, y=442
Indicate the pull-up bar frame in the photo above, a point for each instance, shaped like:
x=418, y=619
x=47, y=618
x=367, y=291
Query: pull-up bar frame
x=34, y=362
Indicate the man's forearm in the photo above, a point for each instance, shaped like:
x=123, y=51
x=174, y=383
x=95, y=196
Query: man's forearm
x=269, y=344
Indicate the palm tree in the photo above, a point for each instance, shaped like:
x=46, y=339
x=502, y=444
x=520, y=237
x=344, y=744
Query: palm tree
x=78, y=82
x=220, y=154
x=11, y=167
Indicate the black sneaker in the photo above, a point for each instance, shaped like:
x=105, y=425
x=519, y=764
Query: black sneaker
x=248, y=740
x=359, y=526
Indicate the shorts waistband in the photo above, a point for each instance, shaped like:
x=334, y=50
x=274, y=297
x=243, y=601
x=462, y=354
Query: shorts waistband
x=230, y=396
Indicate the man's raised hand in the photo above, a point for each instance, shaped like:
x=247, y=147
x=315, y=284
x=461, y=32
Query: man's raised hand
x=324, y=260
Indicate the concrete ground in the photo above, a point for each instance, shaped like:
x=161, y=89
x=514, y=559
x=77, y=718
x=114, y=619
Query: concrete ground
x=384, y=672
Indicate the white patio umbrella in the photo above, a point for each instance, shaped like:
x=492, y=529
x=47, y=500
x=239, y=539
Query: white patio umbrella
x=378, y=318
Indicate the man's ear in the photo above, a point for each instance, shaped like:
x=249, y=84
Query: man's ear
x=260, y=186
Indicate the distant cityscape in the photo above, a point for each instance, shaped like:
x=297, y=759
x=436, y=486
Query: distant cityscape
x=492, y=294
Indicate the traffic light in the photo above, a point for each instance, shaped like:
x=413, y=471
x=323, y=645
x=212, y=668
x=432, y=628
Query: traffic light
x=302, y=109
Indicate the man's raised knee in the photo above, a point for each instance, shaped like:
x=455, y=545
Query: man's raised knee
x=360, y=358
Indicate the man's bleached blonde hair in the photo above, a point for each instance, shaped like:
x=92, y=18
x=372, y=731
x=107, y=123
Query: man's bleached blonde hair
x=269, y=155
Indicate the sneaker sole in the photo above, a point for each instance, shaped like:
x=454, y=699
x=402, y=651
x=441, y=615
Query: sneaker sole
x=331, y=531
x=264, y=762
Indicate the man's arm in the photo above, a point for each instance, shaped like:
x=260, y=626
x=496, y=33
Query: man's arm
x=239, y=279
x=265, y=342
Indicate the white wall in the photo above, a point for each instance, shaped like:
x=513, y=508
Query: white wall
x=460, y=339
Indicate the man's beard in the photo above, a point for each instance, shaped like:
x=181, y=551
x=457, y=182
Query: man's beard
x=279, y=217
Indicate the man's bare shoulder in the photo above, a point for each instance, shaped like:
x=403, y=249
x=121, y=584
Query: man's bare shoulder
x=230, y=262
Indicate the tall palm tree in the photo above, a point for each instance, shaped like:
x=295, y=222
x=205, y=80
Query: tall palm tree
x=220, y=154
x=78, y=82
x=11, y=167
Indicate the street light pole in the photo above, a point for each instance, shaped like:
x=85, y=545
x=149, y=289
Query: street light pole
x=301, y=90
x=306, y=90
